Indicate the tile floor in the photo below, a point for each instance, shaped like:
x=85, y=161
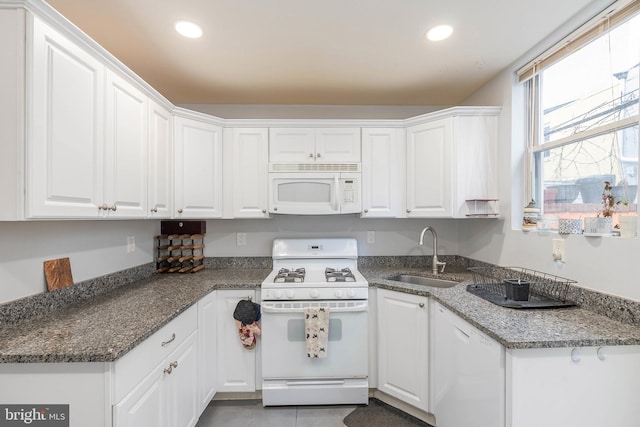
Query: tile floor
x=249, y=413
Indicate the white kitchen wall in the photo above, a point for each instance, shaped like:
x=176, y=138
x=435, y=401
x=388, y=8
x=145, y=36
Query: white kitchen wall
x=608, y=265
x=95, y=248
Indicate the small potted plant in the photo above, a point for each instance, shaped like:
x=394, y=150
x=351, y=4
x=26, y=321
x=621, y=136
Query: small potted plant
x=603, y=223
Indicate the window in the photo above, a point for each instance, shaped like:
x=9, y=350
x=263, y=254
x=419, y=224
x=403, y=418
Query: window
x=584, y=117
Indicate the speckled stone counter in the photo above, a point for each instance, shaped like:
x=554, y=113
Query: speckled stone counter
x=105, y=327
x=516, y=328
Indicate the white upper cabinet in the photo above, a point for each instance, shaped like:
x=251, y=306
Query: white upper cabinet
x=429, y=169
x=451, y=163
x=309, y=145
x=383, y=160
x=160, y=164
x=65, y=119
x=197, y=169
x=126, y=144
x=246, y=180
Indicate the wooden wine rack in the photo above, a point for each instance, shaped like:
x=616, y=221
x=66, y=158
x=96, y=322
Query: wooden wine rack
x=179, y=253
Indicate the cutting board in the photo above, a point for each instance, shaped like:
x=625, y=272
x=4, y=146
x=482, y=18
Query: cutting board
x=58, y=273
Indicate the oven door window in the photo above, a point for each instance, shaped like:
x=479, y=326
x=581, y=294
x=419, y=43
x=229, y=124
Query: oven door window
x=295, y=330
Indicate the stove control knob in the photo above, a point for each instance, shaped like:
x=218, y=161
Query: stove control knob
x=278, y=294
x=290, y=294
x=339, y=293
x=314, y=293
x=351, y=293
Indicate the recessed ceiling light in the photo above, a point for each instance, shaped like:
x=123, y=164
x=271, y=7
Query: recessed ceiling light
x=188, y=29
x=439, y=32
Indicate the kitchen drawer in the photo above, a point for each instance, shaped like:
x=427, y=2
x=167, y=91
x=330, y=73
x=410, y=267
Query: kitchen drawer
x=135, y=365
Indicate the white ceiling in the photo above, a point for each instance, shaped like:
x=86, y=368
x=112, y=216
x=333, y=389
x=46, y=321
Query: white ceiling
x=325, y=52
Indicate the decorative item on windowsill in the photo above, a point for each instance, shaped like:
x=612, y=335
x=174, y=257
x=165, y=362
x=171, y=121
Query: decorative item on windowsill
x=530, y=217
x=602, y=224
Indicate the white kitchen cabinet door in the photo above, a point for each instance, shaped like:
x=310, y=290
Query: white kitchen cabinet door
x=144, y=406
x=573, y=387
x=383, y=159
x=308, y=145
x=198, y=169
x=429, y=169
x=181, y=380
x=126, y=149
x=236, y=364
x=403, y=347
x=207, y=364
x=250, y=159
x=65, y=117
x=292, y=145
x=160, y=164
x=338, y=145
x=468, y=373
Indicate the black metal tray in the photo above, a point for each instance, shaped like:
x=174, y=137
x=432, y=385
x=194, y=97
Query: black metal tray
x=534, y=301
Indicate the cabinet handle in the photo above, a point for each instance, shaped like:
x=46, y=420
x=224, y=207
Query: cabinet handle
x=601, y=353
x=172, y=365
x=179, y=210
x=421, y=305
x=114, y=207
x=154, y=209
x=173, y=337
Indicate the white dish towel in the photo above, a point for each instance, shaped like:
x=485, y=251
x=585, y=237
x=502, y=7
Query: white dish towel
x=316, y=325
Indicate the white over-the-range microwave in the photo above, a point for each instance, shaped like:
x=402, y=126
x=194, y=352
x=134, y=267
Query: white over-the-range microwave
x=314, y=188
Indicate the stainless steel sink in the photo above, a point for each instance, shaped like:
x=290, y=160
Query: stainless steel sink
x=420, y=280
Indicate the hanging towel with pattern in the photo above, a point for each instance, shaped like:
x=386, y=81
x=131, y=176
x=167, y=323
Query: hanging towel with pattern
x=316, y=325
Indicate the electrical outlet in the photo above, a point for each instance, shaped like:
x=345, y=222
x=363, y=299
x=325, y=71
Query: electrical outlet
x=131, y=244
x=558, y=250
x=371, y=237
x=241, y=239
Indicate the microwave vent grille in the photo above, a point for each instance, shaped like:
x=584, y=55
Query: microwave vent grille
x=315, y=167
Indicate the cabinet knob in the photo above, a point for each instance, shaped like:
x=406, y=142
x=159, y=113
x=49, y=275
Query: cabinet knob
x=154, y=209
x=575, y=355
x=114, y=207
x=104, y=207
x=264, y=211
x=179, y=210
x=408, y=210
x=318, y=155
x=601, y=353
x=311, y=155
x=421, y=305
x=366, y=210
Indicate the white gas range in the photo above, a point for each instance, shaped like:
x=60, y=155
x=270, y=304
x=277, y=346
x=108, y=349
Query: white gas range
x=314, y=273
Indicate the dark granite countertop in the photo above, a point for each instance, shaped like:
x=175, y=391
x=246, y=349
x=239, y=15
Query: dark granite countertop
x=516, y=328
x=105, y=327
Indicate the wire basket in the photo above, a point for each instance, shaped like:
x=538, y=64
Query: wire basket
x=545, y=290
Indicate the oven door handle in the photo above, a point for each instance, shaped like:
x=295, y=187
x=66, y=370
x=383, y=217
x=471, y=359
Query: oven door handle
x=266, y=308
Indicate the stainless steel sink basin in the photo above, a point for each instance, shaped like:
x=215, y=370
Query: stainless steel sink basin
x=420, y=280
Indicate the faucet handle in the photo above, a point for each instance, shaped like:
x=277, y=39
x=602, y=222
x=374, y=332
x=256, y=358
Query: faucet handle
x=443, y=264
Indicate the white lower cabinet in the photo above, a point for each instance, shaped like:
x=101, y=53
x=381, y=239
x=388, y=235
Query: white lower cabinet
x=236, y=366
x=166, y=394
x=573, y=387
x=403, y=347
x=207, y=323
x=468, y=373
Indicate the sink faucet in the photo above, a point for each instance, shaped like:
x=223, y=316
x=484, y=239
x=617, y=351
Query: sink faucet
x=435, y=263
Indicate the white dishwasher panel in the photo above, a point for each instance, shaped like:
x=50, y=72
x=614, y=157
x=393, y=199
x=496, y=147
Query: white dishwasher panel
x=468, y=373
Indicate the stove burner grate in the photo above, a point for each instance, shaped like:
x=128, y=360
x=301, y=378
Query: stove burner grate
x=342, y=275
x=286, y=275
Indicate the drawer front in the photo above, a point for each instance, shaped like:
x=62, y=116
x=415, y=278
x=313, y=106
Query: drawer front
x=139, y=362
